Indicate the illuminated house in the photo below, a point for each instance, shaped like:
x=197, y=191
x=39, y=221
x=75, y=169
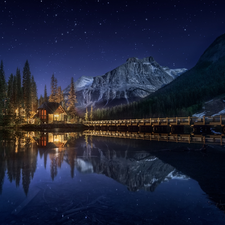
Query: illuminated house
x=51, y=112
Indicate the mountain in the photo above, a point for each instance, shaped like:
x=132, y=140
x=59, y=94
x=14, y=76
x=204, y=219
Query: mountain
x=186, y=94
x=133, y=80
x=82, y=83
x=136, y=170
x=215, y=51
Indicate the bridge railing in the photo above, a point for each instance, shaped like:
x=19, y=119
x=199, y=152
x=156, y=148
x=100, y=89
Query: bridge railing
x=218, y=120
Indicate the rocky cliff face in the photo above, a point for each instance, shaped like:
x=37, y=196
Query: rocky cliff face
x=131, y=81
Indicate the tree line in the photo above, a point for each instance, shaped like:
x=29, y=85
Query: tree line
x=18, y=95
x=57, y=96
x=182, y=97
x=19, y=100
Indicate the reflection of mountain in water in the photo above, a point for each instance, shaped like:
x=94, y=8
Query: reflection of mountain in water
x=131, y=168
x=207, y=168
x=130, y=162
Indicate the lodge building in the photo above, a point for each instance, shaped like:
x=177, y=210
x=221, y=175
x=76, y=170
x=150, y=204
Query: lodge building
x=51, y=112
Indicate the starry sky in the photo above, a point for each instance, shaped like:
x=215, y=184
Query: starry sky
x=89, y=38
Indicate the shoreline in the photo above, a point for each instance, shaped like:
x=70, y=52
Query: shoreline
x=47, y=127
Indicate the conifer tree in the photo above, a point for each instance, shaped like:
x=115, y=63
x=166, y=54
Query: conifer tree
x=34, y=99
x=10, y=95
x=52, y=97
x=45, y=95
x=41, y=100
x=27, y=88
x=59, y=95
x=14, y=97
x=2, y=88
x=72, y=100
x=14, y=92
x=86, y=115
x=19, y=94
x=63, y=101
x=91, y=114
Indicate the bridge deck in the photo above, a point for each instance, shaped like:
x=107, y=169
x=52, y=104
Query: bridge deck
x=173, y=121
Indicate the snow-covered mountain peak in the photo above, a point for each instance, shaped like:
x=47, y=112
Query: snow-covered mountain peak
x=131, y=81
x=80, y=84
x=132, y=59
x=83, y=82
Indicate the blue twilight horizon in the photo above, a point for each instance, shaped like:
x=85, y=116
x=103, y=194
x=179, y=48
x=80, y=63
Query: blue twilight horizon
x=90, y=38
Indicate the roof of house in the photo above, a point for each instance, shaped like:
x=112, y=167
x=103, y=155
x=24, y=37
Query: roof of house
x=51, y=107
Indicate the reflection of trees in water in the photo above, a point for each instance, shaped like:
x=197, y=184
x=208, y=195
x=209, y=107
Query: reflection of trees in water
x=2, y=173
x=18, y=156
x=56, y=162
x=53, y=167
x=55, y=148
x=71, y=160
x=116, y=159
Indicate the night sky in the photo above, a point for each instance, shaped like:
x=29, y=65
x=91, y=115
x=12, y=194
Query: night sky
x=89, y=38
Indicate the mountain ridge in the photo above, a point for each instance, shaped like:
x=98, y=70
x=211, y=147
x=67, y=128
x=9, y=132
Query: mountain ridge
x=131, y=81
x=186, y=94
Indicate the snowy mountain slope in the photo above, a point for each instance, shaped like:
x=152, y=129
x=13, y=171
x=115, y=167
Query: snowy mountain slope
x=131, y=81
x=81, y=83
x=174, y=72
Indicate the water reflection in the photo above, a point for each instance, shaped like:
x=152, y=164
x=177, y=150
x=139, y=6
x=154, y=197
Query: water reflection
x=18, y=156
x=136, y=170
x=134, y=164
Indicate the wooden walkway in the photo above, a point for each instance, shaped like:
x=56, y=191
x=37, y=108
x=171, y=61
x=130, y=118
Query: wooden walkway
x=172, y=122
x=179, y=138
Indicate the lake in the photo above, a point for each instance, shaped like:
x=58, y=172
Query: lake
x=71, y=178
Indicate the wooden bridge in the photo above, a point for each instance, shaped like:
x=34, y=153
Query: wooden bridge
x=179, y=138
x=158, y=123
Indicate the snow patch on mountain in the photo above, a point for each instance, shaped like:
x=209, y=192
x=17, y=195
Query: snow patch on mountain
x=133, y=80
x=174, y=72
x=83, y=82
x=199, y=115
x=176, y=175
x=222, y=112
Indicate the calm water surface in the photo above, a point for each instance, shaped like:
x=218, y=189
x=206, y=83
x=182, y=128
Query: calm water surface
x=67, y=178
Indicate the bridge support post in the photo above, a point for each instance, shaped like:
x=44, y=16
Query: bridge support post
x=224, y=129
